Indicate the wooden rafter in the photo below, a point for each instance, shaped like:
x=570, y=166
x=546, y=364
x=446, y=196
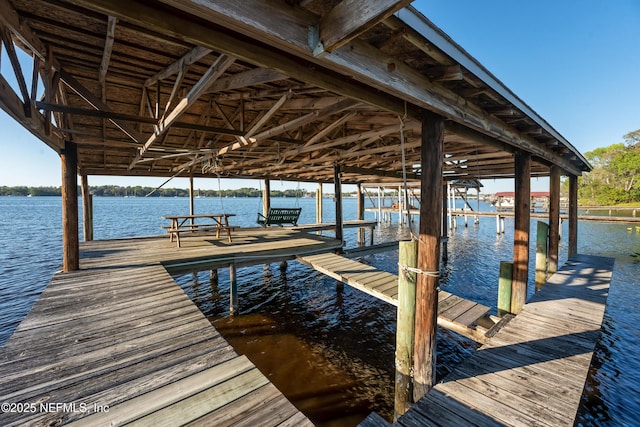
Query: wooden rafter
x=245, y=79
x=293, y=124
x=191, y=57
x=106, y=54
x=11, y=103
x=214, y=72
x=96, y=103
x=17, y=69
x=350, y=18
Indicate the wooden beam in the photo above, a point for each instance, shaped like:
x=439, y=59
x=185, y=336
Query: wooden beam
x=96, y=103
x=11, y=103
x=247, y=78
x=573, y=216
x=17, y=69
x=337, y=183
x=521, y=231
x=350, y=18
x=213, y=73
x=191, y=57
x=554, y=219
x=106, y=54
x=428, y=254
x=70, y=242
x=376, y=172
x=10, y=18
x=293, y=124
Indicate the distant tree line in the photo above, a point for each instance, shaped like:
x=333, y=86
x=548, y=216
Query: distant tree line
x=615, y=178
x=139, y=191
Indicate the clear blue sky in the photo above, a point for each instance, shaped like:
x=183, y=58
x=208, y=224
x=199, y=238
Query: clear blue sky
x=576, y=63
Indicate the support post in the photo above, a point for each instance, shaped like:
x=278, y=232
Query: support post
x=554, y=219
x=87, y=209
x=191, y=209
x=233, y=290
x=504, y=288
x=464, y=207
x=338, y=195
x=319, y=204
x=573, y=215
x=408, y=256
x=70, y=243
x=445, y=215
x=379, y=206
x=432, y=154
x=542, y=234
x=522, y=226
x=400, y=218
x=360, y=213
x=266, y=197
x=477, y=218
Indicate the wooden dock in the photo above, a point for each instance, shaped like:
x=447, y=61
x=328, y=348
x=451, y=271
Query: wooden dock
x=533, y=371
x=454, y=313
x=121, y=335
x=510, y=214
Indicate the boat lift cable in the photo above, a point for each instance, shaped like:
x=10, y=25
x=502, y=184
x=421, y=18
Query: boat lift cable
x=164, y=183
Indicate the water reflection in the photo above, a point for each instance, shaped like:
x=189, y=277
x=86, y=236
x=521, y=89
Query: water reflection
x=328, y=347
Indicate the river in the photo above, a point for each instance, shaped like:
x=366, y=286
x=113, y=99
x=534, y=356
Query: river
x=330, y=348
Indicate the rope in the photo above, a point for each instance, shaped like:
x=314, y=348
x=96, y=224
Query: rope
x=406, y=268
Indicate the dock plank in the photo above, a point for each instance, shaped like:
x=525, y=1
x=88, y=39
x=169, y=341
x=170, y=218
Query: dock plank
x=454, y=312
x=120, y=333
x=533, y=371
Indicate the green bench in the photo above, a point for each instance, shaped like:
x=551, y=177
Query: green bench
x=279, y=216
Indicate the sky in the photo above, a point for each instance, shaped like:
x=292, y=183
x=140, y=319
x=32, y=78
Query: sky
x=575, y=62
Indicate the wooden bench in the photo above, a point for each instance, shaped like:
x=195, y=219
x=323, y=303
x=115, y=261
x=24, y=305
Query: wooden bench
x=279, y=216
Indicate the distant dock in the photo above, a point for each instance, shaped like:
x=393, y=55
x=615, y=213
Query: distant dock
x=388, y=212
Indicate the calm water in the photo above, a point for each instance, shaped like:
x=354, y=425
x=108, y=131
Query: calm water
x=331, y=348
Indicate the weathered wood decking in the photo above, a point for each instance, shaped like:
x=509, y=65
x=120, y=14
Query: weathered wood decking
x=533, y=371
x=121, y=335
x=454, y=312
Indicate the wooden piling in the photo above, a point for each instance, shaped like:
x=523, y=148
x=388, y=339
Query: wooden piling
x=554, y=219
x=70, y=243
x=573, y=215
x=233, y=290
x=266, y=197
x=338, y=195
x=408, y=256
x=191, y=206
x=445, y=231
x=87, y=209
x=432, y=155
x=360, y=214
x=541, y=254
x=504, y=288
x=319, y=204
x=522, y=220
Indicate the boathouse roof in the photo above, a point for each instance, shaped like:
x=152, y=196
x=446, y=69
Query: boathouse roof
x=278, y=89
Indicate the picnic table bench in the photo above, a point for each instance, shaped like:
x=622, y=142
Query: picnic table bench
x=279, y=216
x=187, y=223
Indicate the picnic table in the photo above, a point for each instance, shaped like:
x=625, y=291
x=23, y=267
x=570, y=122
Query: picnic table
x=187, y=223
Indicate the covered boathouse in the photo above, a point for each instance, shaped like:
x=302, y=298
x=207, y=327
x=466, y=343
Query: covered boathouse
x=343, y=92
